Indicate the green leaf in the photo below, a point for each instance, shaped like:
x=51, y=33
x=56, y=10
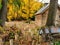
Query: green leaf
x=17, y=2
x=0, y=21
x=11, y=35
x=0, y=5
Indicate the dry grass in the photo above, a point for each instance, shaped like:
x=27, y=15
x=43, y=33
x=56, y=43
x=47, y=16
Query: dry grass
x=29, y=31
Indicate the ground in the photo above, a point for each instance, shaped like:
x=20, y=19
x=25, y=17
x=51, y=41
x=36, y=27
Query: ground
x=29, y=31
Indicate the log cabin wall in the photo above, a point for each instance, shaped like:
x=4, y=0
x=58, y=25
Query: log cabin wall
x=38, y=19
x=42, y=18
x=57, y=19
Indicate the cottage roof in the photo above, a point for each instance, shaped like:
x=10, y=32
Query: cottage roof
x=43, y=9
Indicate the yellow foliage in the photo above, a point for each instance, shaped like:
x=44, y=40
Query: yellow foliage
x=11, y=1
x=26, y=1
x=27, y=10
x=15, y=16
x=9, y=18
x=31, y=15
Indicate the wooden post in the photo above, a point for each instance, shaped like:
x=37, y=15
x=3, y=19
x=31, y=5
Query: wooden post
x=16, y=36
x=1, y=42
x=11, y=41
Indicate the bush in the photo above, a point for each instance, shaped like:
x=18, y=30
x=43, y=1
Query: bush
x=11, y=35
x=2, y=30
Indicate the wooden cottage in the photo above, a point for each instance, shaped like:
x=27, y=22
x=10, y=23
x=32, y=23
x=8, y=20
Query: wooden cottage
x=41, y=15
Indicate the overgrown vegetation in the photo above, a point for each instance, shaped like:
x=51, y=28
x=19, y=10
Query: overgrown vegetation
x=30, y=33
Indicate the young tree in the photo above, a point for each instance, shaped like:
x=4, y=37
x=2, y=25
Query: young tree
x=3, y=13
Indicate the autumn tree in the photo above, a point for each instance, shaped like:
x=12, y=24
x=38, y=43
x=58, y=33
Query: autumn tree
x=3, y=12
x=26, y=10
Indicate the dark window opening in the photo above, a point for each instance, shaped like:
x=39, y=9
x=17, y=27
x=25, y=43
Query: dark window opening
x=33, y=18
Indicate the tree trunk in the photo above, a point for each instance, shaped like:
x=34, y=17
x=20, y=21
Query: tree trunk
x=3, y=13
x=52, y=12
x=51, y=16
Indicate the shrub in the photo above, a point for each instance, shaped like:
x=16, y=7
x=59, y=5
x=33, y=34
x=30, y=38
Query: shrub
x=11, y=35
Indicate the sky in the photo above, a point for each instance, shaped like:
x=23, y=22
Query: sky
x=47, y=1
